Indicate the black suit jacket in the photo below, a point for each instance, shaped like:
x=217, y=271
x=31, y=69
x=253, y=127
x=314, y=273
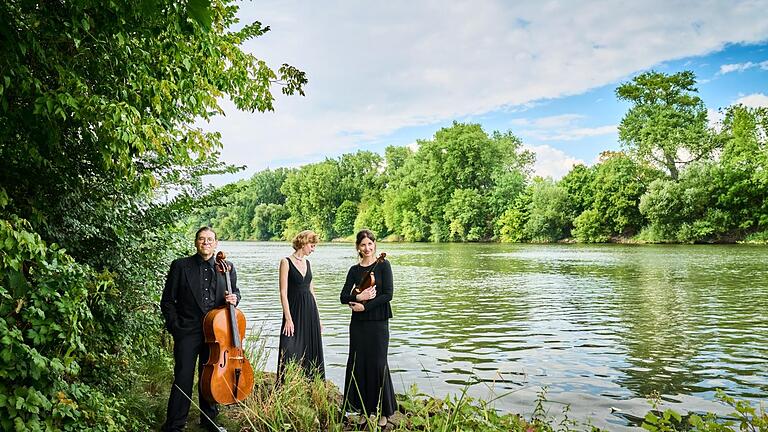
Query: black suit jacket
x=182, y=302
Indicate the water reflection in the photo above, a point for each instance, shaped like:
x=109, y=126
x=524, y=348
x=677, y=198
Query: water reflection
x=602, y=326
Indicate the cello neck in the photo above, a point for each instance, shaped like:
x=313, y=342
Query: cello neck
x=226, y=268
x=232, y=317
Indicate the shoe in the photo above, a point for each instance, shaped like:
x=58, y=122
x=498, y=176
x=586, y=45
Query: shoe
x=382, y=421
x=214, y=428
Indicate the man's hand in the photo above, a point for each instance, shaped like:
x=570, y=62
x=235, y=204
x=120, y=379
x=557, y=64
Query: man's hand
x=231, y=299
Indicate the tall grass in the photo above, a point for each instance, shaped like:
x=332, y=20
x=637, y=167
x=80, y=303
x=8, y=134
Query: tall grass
x=302, y=403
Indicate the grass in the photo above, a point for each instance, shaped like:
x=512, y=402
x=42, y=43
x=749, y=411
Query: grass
x=302, y=403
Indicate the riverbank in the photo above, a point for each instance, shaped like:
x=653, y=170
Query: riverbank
x=301, y=404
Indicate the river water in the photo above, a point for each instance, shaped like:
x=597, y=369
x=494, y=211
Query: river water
x=601, y=326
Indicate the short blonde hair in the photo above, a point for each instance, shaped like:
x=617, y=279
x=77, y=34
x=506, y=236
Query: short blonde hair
x=303, y=238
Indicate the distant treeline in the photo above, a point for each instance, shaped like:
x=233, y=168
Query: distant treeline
x=676, y=180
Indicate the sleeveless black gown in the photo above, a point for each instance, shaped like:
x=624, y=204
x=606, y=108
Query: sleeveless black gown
x=306, y=344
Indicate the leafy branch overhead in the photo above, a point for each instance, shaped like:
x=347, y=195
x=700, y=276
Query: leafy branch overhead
x=102, y=158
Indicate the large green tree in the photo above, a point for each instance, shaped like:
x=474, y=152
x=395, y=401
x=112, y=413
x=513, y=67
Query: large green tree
x=98, y=102
x=460, y=157
x=667, y=122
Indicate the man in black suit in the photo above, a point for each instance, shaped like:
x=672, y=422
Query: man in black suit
x=193, y=287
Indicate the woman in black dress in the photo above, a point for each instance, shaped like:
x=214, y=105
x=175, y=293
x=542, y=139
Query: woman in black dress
x=368, y=384
x=300, y=338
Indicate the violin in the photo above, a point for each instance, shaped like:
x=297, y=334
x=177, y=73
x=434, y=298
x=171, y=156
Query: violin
x=368, y=280
x=228, y=375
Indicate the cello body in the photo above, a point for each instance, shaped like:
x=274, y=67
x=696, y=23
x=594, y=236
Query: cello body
x=227, y=376
x=220, y=380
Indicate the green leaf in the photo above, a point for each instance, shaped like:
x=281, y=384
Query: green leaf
x=200, y=11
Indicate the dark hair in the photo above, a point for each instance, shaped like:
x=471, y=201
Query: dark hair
x=205, y=228
x=362, y=235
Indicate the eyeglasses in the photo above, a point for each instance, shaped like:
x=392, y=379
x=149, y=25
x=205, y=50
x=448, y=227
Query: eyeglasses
x=206, y=239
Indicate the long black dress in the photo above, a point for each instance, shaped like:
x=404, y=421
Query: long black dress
x=306, y=344
x=368, y=385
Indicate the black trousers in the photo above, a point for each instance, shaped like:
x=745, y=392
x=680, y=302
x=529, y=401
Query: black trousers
x=190, y=352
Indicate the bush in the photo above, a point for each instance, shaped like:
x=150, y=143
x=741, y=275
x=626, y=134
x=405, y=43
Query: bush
x=47, y=323
x=588, y=228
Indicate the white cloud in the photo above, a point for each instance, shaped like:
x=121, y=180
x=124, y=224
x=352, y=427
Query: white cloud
x=551, y=162
x=564, y=127
x=550, y=122
x=741, y=67
x=715, y=118
x=578, y=133
x=377, y=67
x=755, y=100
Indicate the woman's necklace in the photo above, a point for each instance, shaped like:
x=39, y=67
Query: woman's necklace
x=299, y=259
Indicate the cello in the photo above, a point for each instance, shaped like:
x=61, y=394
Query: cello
x=369, y=279
x=227, y=376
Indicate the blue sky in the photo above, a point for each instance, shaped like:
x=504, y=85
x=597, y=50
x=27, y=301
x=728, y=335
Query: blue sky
x=389, y=74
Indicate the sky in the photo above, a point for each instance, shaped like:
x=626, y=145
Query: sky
x=391, y=73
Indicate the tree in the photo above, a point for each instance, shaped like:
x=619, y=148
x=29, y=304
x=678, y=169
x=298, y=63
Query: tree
x=371, y=216
x=667, y=123
x=269, y=221
x=460, y=157
x=467, y=216
x=619, y=182
x=548, y=213
x=101, y=157
x=312, y=196
x=579, y=183
x=346, y=214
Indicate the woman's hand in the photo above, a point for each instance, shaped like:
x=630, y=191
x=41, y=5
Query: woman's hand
x=367, y=294
x=356, y=307
x=288, y=328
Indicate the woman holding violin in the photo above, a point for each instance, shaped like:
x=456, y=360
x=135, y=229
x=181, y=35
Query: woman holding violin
x=300, y=338
x=368, y=292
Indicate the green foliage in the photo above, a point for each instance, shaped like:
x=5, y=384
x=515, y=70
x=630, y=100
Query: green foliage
x=235, y=215
x=588, y=228
x=579, y=184
x=371, y=216
x=47, y=304
x=744, y=415
x=548, y=212
x=467, y=185
x=346, y=214
x=466, y=215
x=315, y=191
x=667, y=123
x=268, y=221
x=710, y=202
x=460, y=157
x=511, y=225
x=618, y=184
x=507, y=186
x=97, y=109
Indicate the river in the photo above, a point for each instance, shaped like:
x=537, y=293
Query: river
x=601, y=326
